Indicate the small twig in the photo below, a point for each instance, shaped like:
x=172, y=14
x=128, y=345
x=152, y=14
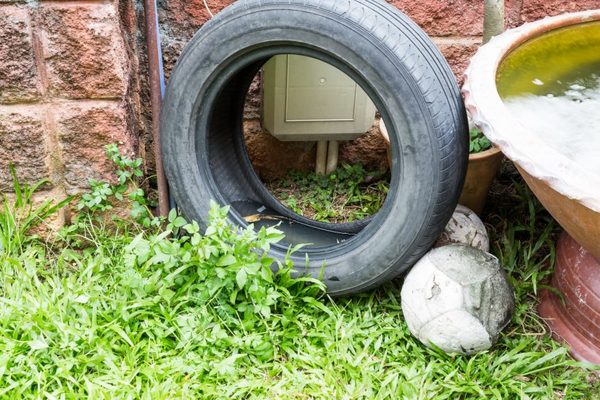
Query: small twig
x=208, y=8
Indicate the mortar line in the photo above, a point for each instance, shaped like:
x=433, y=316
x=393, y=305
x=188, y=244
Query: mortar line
x=465, y=40
x=54, y=155
x=38, y=53
x=28, y=107
x=71, y=3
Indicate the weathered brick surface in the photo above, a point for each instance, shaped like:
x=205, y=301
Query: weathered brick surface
x=84, y=50
x=521, y=11
x=536, y=9
x=22, y=143
x=171, y=49
x=18, y=74
x=182, y=18
x=444, y=17
x=512, y=12
x=90, y=50
x=271, y=157
x=179, y=21
x=369, y=149
x=84, y=129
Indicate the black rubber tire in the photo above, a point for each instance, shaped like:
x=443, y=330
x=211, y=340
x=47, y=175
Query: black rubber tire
x=389, y=57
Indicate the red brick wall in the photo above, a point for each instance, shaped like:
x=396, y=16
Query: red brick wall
x=72, y=75
x=456, y=26
x=67, y=77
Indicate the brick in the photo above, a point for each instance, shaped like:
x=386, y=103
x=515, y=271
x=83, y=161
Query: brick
x=512, y=13
x=458, y=53
x=49, y=227
x=84, y=129
x=271, y=157
x=18, y=74
x=445, y=17
x=521, y=11
x=179, y=21
x=253, y=104
x=84, y=50
x=532, y=10
x=369, y=150
x=171, y=49
x=182, y=18
x=22, y=143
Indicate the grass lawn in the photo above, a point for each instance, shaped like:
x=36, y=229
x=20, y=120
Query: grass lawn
x=125, y=310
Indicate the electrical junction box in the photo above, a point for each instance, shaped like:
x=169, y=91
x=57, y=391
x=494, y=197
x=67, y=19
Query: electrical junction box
x=306, y=99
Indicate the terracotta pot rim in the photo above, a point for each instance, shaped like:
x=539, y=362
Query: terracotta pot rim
x=484, y=154
x=491, y=115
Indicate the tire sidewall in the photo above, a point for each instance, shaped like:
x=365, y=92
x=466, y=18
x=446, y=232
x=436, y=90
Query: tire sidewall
x=228, y=44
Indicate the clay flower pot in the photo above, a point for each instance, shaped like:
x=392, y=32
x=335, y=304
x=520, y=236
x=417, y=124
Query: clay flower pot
x=481, y=170
x=575, y=316
x=566, y=187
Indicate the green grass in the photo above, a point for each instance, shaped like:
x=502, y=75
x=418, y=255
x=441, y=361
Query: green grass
x=348, y=194
x=127, y=310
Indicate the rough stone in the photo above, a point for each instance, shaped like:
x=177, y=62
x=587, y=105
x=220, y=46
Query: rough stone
x=171, y=49
x=49, y=227
x=182, y=18
x=179, y=20
x=271, y=157
x=445, y=17
x=18, y=73
x=532, y=10
x=138, y=96
x=84, y=50
x=512, y=13
x=22, y=143
x=83, y=132
x=253, y=105
x=369, y=149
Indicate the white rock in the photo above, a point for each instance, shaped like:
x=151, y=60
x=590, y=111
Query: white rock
x=458, y=298
x=465, y=227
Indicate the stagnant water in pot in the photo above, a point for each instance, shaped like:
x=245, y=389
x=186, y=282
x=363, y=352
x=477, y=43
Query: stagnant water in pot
x=551, y=84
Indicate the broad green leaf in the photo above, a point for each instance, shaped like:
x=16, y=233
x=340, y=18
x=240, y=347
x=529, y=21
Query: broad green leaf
x=241, y=277
x=226, y=260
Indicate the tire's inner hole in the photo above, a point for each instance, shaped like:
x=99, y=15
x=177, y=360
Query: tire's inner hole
x=313, y=137
x=313, y=156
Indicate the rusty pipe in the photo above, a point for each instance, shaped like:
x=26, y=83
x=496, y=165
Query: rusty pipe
x=157, y=87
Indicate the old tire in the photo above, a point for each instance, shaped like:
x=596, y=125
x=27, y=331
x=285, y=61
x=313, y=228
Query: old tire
x=392, y=60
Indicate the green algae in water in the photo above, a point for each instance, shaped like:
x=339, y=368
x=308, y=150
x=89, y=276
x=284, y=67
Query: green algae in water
x=551, y=85
x=550, y=63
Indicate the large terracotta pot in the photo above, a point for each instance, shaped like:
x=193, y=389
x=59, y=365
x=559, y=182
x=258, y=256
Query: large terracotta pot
x=576, y=320
x=481, y=170
x=568, y=190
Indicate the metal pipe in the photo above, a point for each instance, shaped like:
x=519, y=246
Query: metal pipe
x=493, y=18
x=157, y=87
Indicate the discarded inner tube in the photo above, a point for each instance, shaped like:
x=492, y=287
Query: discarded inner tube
x=399, y=68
